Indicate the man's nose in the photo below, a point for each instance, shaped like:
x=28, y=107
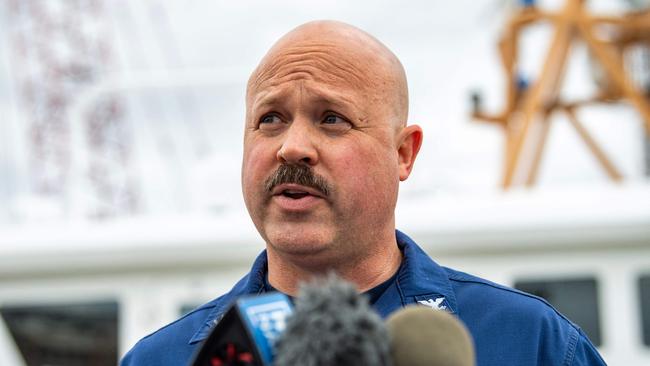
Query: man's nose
x=298, y=146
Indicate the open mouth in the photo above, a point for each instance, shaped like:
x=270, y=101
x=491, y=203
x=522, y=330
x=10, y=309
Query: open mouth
x=296, y=198
x=294, y=194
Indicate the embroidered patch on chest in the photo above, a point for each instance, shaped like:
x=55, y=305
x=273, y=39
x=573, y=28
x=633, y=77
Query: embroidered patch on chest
x=438, y=303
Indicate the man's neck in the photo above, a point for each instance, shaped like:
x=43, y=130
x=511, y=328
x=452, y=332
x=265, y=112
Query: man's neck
x=367, y=271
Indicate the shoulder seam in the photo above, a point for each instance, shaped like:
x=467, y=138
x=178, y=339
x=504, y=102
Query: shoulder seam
x=452, y=277
x=497, y=286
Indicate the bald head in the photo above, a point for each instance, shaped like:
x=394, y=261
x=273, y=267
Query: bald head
x=337, y=54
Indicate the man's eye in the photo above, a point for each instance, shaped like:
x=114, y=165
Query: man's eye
x=332, y=119
x=269, y=118
x=335, y=124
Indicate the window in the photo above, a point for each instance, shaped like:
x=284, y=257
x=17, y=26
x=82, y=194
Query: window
x=575, y=298
x=644, y=296
x=65, y=335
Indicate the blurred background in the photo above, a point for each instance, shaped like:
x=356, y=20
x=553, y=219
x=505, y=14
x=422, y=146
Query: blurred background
x=120, y=150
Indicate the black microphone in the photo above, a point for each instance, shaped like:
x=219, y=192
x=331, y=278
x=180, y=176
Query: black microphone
x=421, y=336
x=247, y=333
x=333, y=325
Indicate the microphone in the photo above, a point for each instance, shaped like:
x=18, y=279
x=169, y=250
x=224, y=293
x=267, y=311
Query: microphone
x=421, y=336
x=247, y=333
x=333, y=325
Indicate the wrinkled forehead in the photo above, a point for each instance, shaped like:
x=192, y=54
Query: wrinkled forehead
x=329, y=63
x=317, y=61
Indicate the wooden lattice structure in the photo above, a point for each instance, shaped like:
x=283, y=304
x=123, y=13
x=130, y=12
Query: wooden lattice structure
x=526, y=116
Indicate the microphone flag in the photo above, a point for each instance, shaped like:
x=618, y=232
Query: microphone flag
x=246, y=334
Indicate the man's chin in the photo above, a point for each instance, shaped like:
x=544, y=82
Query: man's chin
x=300, y=241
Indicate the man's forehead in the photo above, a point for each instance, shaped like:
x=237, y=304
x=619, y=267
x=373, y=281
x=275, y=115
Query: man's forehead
x=338, y=57
x=320, y=62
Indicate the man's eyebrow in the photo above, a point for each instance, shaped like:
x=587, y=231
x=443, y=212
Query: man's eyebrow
x=266, y=102
x=267, y=99
x=331, y=98
x=335, y=100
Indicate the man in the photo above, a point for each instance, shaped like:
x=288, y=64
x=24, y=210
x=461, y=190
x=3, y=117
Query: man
x=325, y=146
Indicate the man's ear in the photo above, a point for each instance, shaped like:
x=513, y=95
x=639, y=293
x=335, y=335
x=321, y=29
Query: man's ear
x=410, y=140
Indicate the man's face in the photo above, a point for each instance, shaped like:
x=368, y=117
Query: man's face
x=333, y=125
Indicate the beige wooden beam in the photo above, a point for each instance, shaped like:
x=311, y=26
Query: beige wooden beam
x=600, y=155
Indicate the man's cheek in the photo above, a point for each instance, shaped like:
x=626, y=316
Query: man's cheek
x=254, y=173
x=257, y=162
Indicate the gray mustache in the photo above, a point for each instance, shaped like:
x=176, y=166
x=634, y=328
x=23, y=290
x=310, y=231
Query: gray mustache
x=297, y=174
